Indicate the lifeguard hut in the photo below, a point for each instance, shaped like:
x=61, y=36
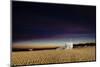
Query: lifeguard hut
x=68, y=45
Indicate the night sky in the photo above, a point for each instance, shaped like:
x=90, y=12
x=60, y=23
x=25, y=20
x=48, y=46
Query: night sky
x=45, y=22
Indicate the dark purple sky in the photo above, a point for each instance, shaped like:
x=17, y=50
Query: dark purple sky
x=31, y=21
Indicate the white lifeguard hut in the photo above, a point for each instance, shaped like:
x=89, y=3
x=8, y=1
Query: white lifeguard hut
x=68, y=45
